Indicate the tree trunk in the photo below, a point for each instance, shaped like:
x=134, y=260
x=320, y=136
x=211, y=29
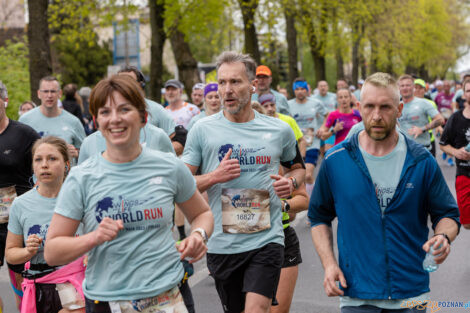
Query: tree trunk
x=423, y=73
x=389, y=67
x=187, y=64
x=40, y=63
x=292, y=50
x=355, y=59
x=319, y=64
x=339, y=65
x=157, y=19
x=356, y=35
x=411, y=69
x=338, y=52
x=373, y=56
x=248, y=8
x=362, y=59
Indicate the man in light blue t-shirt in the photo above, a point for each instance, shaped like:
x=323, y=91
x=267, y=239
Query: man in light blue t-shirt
x=264, y=76
x=309, y=114
x=158, y=116
x=377, y=184
x=328, y=99
x=50, y=120
x=239, y=152
x=414, y=117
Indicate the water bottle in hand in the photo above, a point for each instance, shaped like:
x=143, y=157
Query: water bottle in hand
x=429, y=264
x=467, y=148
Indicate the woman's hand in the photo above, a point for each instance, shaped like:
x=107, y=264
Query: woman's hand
x=193, y=247
x=33, y=243
x=107, y=230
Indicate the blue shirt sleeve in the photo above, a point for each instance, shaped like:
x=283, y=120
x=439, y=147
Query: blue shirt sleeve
x=321, y=209
x=440, y=202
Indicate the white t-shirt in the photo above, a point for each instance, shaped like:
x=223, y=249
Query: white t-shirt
x=183, y=115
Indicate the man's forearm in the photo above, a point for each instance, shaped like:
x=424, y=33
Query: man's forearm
x=438, y=120
x=448, y=149
x=322, y=237
x=178, y=147
x=447, y=226
x=297, y=173
x=204, y=182
x=302, y=146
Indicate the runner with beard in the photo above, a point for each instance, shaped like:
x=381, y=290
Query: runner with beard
x=239, y=152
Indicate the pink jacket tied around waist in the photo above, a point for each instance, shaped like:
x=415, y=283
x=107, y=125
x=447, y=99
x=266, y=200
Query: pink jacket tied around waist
x=73, y=273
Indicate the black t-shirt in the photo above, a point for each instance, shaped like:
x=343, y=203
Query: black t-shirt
x=457, y=134
x=16, y=142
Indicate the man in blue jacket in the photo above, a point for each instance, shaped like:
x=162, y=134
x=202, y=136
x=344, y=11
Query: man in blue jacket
x=381, y=186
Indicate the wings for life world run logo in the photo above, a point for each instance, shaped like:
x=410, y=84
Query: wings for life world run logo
x=129, y=211
x=40, y=231
x=246, y=157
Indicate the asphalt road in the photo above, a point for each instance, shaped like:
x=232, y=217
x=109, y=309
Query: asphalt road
x=451, y=282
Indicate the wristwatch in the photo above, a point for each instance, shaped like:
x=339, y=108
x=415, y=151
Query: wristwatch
x=423, y=129
x=201, y=232
x=445, y=236
x=294, y=182
x=286, y=206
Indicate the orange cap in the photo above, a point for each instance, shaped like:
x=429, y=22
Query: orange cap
x=263, y=70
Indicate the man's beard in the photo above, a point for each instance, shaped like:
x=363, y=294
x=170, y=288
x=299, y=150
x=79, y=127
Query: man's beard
x=384, y=135
x=241, y=104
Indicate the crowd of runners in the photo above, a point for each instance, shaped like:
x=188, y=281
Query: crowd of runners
x=93, y=186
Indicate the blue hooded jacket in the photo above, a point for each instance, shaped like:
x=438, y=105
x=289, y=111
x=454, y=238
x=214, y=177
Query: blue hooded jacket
x=381, y=255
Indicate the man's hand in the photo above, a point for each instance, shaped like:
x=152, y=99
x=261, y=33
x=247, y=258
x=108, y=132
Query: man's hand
x=415, y=131
x=192, y=246
x=338, y=126
x=32, y=244
x=228, y=169
x=282, y=186
x=333, y=274
x=73, y=152
x=107, y=230
x=462, y=154
x=438, y=241
x=439, y=131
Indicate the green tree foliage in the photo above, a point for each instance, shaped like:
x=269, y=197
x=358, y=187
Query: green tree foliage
x=82, y=59
x=81, y=63
x=198, y=20
x=14, y=73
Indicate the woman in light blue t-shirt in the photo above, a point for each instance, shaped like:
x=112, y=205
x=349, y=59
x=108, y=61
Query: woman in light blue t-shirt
x=125, y=199
x=30, y=216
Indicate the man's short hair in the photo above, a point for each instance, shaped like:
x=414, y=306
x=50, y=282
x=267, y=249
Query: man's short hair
x=69, y=91
x=138, y=74
x=405, y=76
x=383, y=80
x=49, y=79
x=235, y=57
x=3, y=91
